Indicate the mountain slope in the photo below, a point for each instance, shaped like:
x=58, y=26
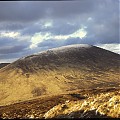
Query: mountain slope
x=58, y=71
x=89, y=103
x=3, y=64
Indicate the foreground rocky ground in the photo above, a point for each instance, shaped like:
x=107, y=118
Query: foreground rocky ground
x=87, y=103
x=100, y=105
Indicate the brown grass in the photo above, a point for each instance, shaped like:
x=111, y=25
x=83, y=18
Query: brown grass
x=20, y=88
x=100, y=105
x=70, y=103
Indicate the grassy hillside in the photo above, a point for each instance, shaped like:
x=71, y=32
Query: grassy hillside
x=58, y=71
x=96, y=106
x=84, y=103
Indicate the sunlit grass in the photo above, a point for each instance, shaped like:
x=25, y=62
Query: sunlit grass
x=107, y=104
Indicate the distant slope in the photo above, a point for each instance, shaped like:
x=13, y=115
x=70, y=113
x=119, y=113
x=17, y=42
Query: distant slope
x=3, y=64
x=58, y=71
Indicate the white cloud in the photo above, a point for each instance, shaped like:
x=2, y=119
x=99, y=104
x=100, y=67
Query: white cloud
x=81, y=33
x=111, y=47
x=45, y=23
x=39, y=37
x=9, y=34
x=48, y=24
x=90, y=19
x=15, y=35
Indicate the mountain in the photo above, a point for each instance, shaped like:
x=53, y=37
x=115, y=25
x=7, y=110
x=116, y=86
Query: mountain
x=3, y=64
x=58, y=71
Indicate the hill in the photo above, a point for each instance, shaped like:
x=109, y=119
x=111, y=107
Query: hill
x=3, y=64
x=84, y=103
x=58, y=71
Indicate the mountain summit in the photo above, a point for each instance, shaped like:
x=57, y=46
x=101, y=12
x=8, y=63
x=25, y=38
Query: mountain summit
x=57, y=71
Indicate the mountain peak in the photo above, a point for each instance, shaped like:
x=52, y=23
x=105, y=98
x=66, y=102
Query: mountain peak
x=59, y=70
x=67, y=47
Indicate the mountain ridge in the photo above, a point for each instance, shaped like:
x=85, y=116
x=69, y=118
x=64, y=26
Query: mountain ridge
x=3, y=65
x=66, y=68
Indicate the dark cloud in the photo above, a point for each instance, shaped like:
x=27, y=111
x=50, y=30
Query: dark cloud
x=20, y=11
x=32, y=29
x=12, y=26
x=99, y=18
x=51, y=43
x=64, y=27
x=58, y=27
x=30, y=11
x=104, y=28
x=12, y=49
x=47, y=43
x=6, y=41
x=9, y=56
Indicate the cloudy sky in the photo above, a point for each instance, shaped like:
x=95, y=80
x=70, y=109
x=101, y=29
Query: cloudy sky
x=31, y=27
